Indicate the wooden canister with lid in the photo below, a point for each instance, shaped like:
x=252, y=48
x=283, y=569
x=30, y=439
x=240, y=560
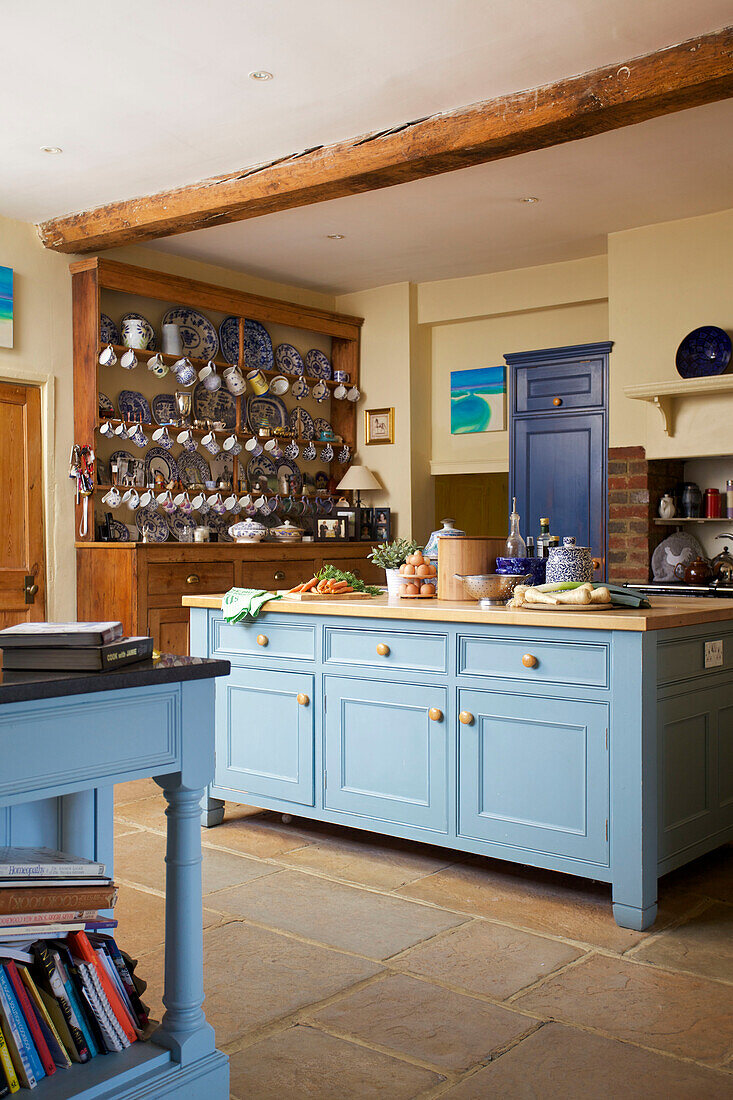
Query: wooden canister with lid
x=465, y=554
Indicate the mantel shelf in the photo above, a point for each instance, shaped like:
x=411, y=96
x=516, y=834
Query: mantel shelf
x=663, y=395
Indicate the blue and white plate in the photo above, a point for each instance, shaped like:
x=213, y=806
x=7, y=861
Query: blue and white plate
x=262, y=466
x=323, y=429
x=108, y=331
x=220, y=525
x=306, y=431
x=158, y=460
x=153, y=521
x=219, y=405
x=147, y=329
x=119, y=531
x=229, y=339
x=286, y=467
x=266, y=411
x=193, y=469
x=165, y=409
x=197, y=332
x=257, y=346
x=133, y=406
x=180, y=525
x=106, y=408
x=289, y=359
x=317, y=364
x=703, y=352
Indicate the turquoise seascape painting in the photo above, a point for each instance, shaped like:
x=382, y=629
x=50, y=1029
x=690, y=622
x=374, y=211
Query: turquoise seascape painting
x=477, y=400
x=6, y=307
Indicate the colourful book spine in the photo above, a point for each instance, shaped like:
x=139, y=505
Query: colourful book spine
x=21, y=995
x=17, y=1037
x=73, y=992
x=81, y=947
x=46, y=1024
x=6, y=1066
x=47, y=967
x=122, y=969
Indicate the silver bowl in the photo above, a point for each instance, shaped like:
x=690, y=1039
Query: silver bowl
x=492, y=589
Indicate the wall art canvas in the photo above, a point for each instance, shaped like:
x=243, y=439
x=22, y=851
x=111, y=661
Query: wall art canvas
x=478, y=400
x=6, y=307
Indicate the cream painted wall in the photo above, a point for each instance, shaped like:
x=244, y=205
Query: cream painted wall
x=664, y=281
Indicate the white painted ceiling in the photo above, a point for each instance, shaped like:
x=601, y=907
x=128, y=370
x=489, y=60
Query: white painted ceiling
x=151, y=94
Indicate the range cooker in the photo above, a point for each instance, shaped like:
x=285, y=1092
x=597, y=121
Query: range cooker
x=724, y=592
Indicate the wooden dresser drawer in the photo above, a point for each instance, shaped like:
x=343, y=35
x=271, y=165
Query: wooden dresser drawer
x=174, y=579
x=277, y=573
x=584, y=664
x=386, y=649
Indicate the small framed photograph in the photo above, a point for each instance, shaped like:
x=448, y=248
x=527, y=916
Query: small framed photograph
x=379, y=426
x=365, y=520
x=349, y=514
x=332, y=529
x=382, y=525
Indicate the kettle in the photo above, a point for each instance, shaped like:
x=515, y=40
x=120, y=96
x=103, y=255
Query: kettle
x=723, y=565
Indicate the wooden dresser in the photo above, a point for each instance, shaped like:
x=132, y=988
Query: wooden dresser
x=142, y=584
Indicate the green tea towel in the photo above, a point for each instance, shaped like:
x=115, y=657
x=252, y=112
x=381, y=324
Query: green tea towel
x=244, y=604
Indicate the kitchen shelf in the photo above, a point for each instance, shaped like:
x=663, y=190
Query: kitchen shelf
x=676, y=520
x=664, y=395
x=242, y=433
x=120, y=349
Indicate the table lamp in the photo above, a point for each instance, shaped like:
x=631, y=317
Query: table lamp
x=358, y=479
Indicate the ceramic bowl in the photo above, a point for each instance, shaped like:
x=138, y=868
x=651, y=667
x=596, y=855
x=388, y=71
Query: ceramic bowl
x=248, y=530
x=493, y=588
x=536, y=567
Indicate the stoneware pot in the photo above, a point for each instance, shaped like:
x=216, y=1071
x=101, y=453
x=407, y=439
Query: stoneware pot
x=536, y=568
x=569, y=563
x=248, y=530
x=694, y=572
x=446, y=531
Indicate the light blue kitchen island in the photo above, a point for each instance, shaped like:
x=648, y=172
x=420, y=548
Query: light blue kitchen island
x=599, y=744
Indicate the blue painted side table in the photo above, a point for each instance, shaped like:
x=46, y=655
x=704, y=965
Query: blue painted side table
x=65, y=741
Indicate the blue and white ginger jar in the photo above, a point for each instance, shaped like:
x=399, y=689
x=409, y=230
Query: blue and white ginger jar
x=569, y=563
x=431, y=548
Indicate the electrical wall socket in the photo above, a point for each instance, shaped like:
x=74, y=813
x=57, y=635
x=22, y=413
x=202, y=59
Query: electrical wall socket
x=714, y=653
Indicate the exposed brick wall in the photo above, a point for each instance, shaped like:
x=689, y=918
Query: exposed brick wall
x=635, y=486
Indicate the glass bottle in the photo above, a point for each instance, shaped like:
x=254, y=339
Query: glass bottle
x=515, y=544
x=530, y=546
x=543, y=537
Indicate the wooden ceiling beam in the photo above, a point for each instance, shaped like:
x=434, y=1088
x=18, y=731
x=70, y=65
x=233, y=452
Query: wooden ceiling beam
x=691, y=74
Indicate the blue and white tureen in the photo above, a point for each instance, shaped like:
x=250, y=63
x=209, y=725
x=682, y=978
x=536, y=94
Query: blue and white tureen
x=446, y=531
x=248, y=530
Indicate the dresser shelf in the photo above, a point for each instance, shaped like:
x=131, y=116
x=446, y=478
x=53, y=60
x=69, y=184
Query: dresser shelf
x=664, y=395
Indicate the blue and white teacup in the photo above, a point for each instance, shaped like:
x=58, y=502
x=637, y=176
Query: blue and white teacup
x=186, y=439
x=121, y=431
x=327, y=453
x=112, y=497
x=200, y=504
x=353, y=394
x=341, y=376
x=320, y=391
x=232, y=505
x=253, y=447
x=108, y=357
x=344, y=455
x=137, y=436
x=300, y=388
x=161, y=437
x=273, y=448
x=184, y=502
x=185, y=371
x=309, y=451
x=157, y=365
x=208, y=375
x=232, y=446
x=132, y=499
x=217, y=504
x=128, y=360
x=211, y=443
x=292, y=450
x=107, y=429
x=340, y=392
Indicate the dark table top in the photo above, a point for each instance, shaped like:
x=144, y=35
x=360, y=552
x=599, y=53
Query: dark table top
x=32, y=684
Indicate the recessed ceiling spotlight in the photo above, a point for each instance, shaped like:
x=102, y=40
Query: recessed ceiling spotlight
x=335, y=236
x=260, y=74
x=54, y=149
x=530, y=199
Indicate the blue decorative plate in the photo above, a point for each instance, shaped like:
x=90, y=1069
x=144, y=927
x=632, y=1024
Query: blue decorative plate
x=229, y=339
x=133, y=406
x=257, y=346
x=119, y=531
x=286, y=466
x=220, y=525
x=219, y=405
x=165, y=409
x=289, y=359
x=307, y=431
x=703, y=352
x=323, y=429
x=147, y=329
x=317, y=364
x=198, y=335
x=262, y=466
x=154, y=521
x=179, y=525
x=266, y=412
x=108, y=331
x=158, y=460
x=106, y=408
x=193, y=469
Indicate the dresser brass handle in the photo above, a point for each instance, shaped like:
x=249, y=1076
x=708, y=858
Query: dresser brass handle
x=279, y=575
x=357, y=573
x=465, y=718
x=193, y=578
x=383, y=649
x=435, y=715
x=557, y=402
x=529, y=660
x=303, y=700
x=262, y=639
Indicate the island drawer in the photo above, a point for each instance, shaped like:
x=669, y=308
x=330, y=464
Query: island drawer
x=386, y=649
x=264, y=639
x=584, y=664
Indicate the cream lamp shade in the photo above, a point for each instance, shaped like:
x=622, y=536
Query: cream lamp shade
x=359, y=479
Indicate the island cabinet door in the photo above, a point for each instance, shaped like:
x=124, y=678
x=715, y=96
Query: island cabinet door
x=534, y=774
x=386, y=752
x=264, y=734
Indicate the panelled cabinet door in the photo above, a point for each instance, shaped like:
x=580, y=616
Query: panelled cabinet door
x=386, y=751
x=264, y=734
x=169, y=629
x=534, y=777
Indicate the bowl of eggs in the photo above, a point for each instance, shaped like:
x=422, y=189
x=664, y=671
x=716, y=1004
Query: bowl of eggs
x=417, y=578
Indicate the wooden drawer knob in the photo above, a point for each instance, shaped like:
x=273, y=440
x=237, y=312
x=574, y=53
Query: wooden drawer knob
x=262, y=640
x=303, y=699
x=465, y=718
x=193, y=578
x=279, y=575
x=435, y=714
x=529, y=660
x=357, y=573
x=557, y=402
x=383, y=649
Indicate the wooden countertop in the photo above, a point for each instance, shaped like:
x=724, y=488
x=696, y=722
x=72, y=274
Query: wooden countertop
x=666, y=612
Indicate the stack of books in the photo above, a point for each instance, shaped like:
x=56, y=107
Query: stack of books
x=70, y=647
x=67, y=992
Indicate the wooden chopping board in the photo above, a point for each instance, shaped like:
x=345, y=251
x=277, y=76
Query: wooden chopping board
x=305, y=596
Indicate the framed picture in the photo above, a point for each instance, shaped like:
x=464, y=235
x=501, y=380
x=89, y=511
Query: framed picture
x=332, y=529
x=478, y=400
x=349, y=514
x=6, y=307
x=382, y=525
x=379, y=426
x=365, y=520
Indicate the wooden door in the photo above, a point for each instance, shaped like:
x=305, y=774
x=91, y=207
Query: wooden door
x=22, y=557
x=168, y=627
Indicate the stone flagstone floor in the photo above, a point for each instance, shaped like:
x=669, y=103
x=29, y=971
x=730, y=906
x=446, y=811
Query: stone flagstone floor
x=344, y=965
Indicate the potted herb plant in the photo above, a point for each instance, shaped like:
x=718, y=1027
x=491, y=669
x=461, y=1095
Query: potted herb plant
x=390, y=556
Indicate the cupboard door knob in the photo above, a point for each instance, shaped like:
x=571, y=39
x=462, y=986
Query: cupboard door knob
x=193, y=578
x=529, y=660
x=279, y=575
x=597, y=563
x=465, y=718
x=263, y=640
x=435, y=715
x=557, y=402
x=383, y=649
x=303, y=699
